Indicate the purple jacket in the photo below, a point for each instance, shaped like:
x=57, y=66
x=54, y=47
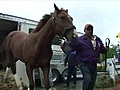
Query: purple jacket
x=85, y=51
x=71, y=59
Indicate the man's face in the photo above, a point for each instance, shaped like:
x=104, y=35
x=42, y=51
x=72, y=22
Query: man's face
x=89, y=31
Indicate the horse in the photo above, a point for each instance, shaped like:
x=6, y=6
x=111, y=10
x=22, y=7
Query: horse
x=34, y=49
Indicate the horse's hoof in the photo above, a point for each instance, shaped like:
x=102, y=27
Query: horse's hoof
x=20, y=88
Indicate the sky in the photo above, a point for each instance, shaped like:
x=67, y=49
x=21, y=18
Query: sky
x=104, y=15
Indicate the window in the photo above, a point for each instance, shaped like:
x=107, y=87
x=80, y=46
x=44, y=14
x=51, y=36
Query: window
x=56, y=57
x=30, y=30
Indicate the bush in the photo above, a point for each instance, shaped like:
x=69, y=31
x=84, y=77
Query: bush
x=101, y=68
x=104, y=81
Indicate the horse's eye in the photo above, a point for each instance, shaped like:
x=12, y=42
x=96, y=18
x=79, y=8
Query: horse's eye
x=62, y=17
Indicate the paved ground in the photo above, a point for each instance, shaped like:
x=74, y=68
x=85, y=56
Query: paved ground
x=62, y=86
x=78, y=86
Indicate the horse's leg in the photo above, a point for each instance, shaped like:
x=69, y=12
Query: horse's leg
x=8, y=68
x=46, y=76
x=17, y=78
x=30, y=76
x=50, y=77
x=12, y=63
x=42, y=78
x=34, y=79
x=7, y=73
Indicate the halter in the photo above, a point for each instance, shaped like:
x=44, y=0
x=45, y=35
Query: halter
x=54, y=20
x=66, y=29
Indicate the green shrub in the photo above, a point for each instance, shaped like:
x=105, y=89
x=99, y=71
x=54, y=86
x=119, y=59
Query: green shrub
x=104, y=81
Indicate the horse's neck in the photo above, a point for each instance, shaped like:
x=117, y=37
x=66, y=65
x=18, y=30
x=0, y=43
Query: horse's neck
x=39, y=26
x=46, y=34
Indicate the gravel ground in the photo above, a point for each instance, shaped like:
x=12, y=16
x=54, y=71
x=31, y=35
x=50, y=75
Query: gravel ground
x=11, y=85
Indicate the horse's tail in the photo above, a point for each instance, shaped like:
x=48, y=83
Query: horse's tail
x=2, y=51
x=2, y=56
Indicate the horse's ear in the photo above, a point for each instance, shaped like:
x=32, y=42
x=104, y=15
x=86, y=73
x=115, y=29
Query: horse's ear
x=56, y=8
x=66, y=11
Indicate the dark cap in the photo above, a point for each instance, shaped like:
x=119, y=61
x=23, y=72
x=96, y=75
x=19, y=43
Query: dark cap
x=86, y=26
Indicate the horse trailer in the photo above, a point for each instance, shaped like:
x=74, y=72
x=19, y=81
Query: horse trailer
x=9, y=23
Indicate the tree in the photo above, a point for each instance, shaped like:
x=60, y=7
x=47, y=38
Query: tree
x=112, y=51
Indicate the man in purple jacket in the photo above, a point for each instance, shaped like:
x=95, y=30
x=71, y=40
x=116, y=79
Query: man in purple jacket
x=88, y=48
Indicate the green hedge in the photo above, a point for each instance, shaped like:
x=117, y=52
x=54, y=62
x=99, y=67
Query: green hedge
x=104, y=81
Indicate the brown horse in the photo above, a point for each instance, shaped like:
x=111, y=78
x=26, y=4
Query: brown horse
x=34, y=49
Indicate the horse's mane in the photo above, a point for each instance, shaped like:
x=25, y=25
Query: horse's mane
x=42, y=22
x=44, y=19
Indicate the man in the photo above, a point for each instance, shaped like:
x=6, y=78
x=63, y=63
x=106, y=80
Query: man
x=72, y=63
x=88, y=48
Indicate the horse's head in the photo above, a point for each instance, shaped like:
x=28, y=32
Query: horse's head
x=64, y=24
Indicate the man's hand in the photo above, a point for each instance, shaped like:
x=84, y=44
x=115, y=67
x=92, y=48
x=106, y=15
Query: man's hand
x=62, y=45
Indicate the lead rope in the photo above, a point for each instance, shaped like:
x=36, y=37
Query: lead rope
x=107, y=43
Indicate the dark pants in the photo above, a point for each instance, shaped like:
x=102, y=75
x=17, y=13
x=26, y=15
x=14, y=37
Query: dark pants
x=71, y=71
x=89, y=71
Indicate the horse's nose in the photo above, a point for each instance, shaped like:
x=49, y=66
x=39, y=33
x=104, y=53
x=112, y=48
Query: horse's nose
x=75, y=34
x=72, y=27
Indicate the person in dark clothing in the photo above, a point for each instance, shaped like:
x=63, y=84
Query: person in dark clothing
x=88, y=48
x=118, y=55
x=72, y=63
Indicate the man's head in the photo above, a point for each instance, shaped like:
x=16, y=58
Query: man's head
x=88, y=29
